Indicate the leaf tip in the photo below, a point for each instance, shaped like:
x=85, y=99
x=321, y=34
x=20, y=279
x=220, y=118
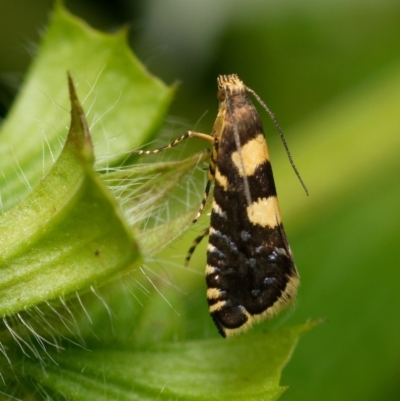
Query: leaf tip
x=79, y=130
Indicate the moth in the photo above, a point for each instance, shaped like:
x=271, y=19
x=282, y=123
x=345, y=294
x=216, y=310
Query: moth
x=250, y=272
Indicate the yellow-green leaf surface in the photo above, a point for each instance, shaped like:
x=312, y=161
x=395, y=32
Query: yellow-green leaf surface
x=243, y=368
x=124, y=104
x=67, y=234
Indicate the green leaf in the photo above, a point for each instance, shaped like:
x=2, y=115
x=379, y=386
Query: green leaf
x=124, y=103
x=243, y=368
x=67, y=234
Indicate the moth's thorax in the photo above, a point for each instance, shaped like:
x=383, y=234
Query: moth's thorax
x=235, y=105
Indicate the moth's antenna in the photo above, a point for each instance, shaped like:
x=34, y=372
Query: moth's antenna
x=278, y=128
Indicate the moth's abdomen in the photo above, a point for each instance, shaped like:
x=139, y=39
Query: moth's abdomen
x=247, y=280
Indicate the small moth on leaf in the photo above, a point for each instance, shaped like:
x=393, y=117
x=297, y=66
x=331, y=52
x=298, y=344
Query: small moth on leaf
x=250, y=272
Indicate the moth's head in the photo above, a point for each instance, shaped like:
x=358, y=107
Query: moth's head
x=229, y=85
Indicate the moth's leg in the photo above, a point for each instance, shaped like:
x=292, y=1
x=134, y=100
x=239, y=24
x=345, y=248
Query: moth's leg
x=211, y=175
x=189, y=134
x=203, y=201
x=211, y=169
x=195, y=243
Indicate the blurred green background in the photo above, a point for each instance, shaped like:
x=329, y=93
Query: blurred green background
x=330, y=71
